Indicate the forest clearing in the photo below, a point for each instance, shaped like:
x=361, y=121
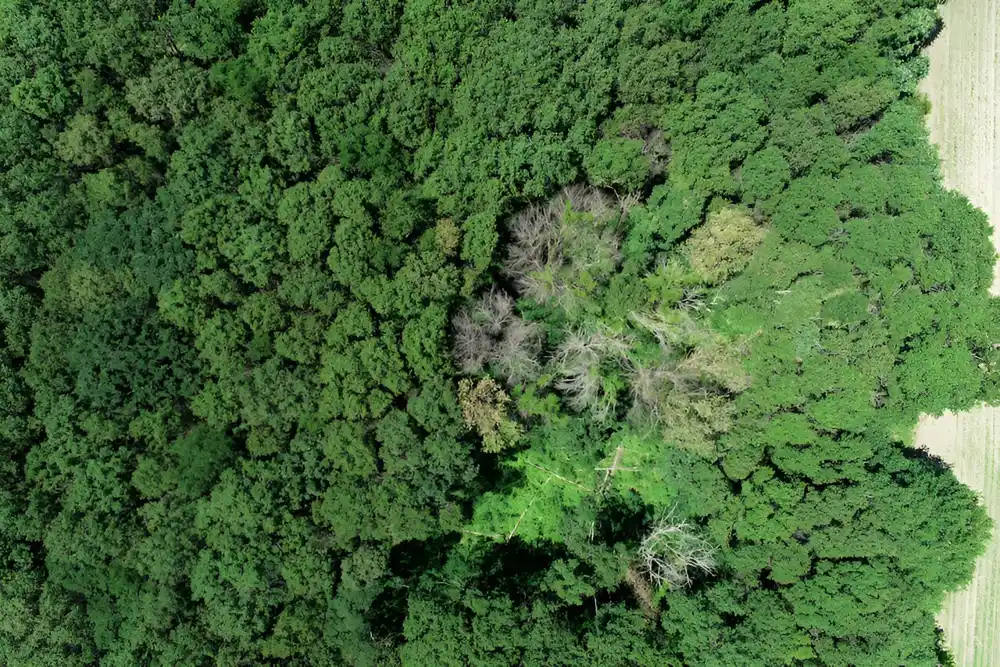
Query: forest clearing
x=964, y=89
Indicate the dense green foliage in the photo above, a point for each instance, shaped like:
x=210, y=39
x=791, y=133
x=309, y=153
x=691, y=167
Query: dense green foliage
x=308, y=357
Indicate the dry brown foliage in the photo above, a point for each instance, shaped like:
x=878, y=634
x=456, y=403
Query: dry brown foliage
x=642, y=591
x=485, y=407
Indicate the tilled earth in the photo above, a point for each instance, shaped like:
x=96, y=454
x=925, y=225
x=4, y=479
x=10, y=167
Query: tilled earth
x=964, y=89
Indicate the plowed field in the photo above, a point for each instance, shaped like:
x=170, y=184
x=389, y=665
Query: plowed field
x=964, y=89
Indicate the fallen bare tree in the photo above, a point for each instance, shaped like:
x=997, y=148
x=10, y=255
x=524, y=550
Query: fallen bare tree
x=673, y=554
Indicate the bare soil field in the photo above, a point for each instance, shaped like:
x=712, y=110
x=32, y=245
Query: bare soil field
x=970, y=441
x=964, y=90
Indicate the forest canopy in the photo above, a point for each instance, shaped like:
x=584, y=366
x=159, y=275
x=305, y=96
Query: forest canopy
x=480, y=332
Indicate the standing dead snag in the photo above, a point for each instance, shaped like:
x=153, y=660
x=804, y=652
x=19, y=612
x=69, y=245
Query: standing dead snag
x=578, y=363
x=559, y=251
x=494, y=311
x=472, y=344
x=491, y=332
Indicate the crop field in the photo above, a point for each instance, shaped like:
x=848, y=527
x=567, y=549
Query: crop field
x=970, y=441
x=964, y=90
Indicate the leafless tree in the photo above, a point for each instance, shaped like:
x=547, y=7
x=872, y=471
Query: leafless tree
x=693, y=300
x=492, y=332
x=677, y=399
x=540, y=235
x=649, y=386
x=517, y=353
x=578, y=363
x=544, y=286
x=472, y=345
x=628, y=201
x=494, y=311
x=589, y=200
x=535, y=240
